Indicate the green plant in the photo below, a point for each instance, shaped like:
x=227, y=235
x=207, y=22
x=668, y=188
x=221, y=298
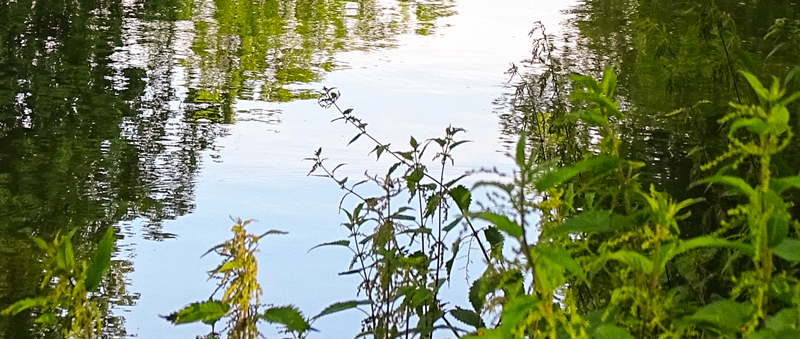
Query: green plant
x=71, y=284
x=238, y=282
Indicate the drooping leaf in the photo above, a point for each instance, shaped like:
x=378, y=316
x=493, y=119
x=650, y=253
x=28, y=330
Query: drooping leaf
x=271, y=232
x=24, y=304
x=597, y=221
x=481, y=287
x=495, y=240
x=454, y=249
x=345, y=243
x=229, y=265
x=788, y=249
x=561, y=258
x=724, y=315
x=341, y=306
x=608, y=331
x=288, y=316
x=780, y=185
x=101, y=261
x=738, y=183
x=520, y=155
x=208, y=312
x=461, y=196
x=502, y=222
x=634, y=260
x=598, y=164
x=432, y=204
x=705, y=241
x=468, y=317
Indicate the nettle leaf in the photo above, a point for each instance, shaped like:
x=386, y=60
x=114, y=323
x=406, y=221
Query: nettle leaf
x=520, y=155
x=560, y=258
x=341, y=306
x=482, y=286
x=598, y=221
x=101, y=261
x=754, y=125
x=634, y=260
x=608, y=331
x=495, y=240
x=734, y=182
x=461, y=196
x=780, y=185
x=208, y=312
x=432, y=204
x=724, y=315
x=229, y=265
x=24, y=304
x=502, y=222
x=288, y=316
x=598, y=164
x=788, y=249
x=345, y=243
x=704, y=241
x=785, y=319
x=468, y=317
x=517, y=310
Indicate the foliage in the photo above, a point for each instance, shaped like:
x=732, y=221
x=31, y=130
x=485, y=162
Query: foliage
x=238, y=281
x=600, y=261
x=71, y=284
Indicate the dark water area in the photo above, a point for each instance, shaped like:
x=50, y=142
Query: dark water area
x=111, y=109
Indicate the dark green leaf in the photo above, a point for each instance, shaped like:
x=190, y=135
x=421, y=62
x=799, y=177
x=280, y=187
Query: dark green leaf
x=468, y=317
x=101, y=261
x=495, y=240
x=587, y=222
x=785, y=319
x=208, y=312
x=288, y=316
x=273, y=232
x=345, y=243
x=520, y=156
x=503, y=223
x=461, y=196
x=598, y=164
x=432, y=204
x=341, y=306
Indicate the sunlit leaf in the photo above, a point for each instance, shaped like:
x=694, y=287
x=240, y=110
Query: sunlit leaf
x=46, y=318
x=779, y=185
x=341, y=306
x=24, y=304
x=634, y=260
x=208, y=312
x=502, y=222
x=101, y=261
x=229, y=265
x=517, y=309
x=608, y=331
x=738, y=183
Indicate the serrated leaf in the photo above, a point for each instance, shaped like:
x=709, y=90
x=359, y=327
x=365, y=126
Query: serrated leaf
x=517, y=309
x=341, y=306
x=495, y=240
x=208, y=312
x=345, y=243
x=461, y=196
x=432, y=204
x=288, y=316
x=468, y=317
x=101, y=261
x=270, y=232
x=502, y=222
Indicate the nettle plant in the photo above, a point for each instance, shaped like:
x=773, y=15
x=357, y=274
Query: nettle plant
x=72, y=287
x=596, y=262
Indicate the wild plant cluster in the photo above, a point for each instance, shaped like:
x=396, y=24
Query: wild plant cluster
x=600, y=261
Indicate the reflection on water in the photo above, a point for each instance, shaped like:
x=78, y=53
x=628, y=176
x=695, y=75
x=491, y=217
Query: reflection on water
x=106, y=104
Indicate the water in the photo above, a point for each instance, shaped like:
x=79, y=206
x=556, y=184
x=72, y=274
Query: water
x=163, y=119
